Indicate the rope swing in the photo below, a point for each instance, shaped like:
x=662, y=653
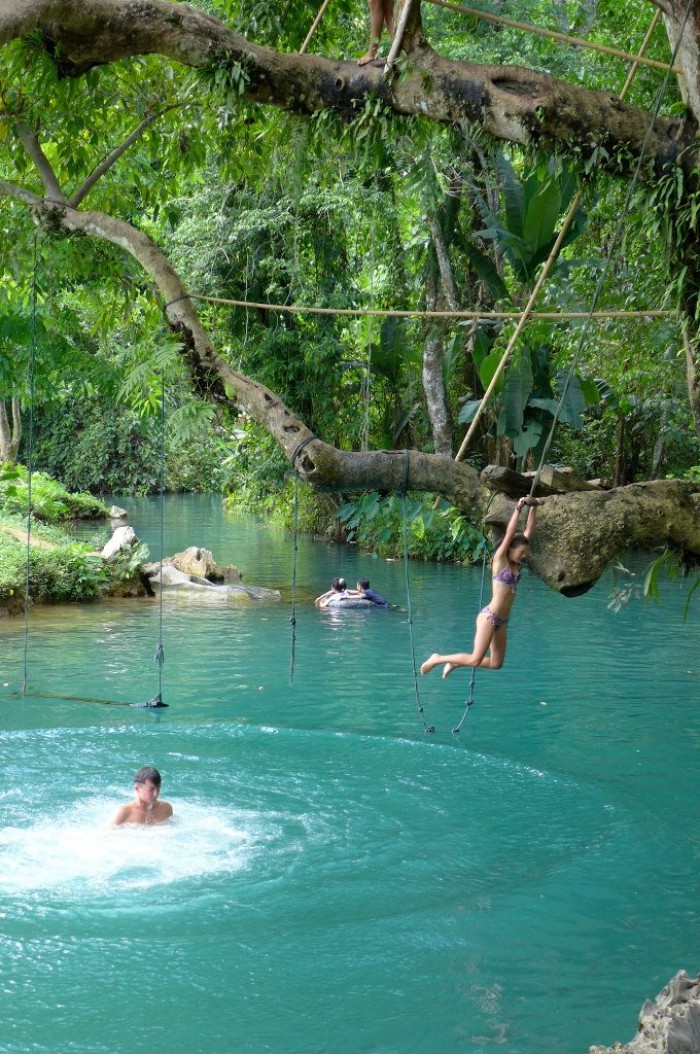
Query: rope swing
x=295, y=549
x=157, y=701
x=527, y=312
x=409, y=607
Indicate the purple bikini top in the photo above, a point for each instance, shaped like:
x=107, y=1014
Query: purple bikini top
x=508, y=577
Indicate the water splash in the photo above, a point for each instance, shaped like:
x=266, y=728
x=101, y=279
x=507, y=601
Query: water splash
x=79, y=855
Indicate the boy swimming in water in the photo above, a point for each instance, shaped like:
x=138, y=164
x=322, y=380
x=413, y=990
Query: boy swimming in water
x=145, y=808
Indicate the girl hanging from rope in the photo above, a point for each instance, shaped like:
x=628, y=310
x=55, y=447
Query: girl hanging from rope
x=492, y=620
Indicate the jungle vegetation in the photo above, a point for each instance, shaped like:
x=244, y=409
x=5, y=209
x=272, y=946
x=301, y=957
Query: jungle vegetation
x=157, y=153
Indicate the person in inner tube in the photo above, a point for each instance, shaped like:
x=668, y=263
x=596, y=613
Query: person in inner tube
x=338, y=591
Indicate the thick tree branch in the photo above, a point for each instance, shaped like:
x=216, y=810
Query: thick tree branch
x=320, y=464
x=579, y=534
x=104, y=166
x=31, y=144
x=509, y=102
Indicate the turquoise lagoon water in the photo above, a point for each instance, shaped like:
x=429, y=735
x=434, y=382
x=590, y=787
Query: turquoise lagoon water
x=334, y=878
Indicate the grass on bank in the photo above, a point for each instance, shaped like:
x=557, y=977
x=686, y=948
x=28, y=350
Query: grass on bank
x=58, y=567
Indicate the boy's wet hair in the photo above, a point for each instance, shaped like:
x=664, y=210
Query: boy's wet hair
x=363, y=583
x=148, y=773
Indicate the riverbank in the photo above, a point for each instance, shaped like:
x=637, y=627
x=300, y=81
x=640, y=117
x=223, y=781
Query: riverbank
x=49, y=560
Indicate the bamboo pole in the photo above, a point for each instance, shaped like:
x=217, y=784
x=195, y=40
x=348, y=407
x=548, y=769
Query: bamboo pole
x=524, y=319
x=551, y=34
x=314, y=26
x=549, y=263
x=398, y=35
x=635, y=65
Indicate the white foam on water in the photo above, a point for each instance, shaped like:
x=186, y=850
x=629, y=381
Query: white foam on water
x=74, y=853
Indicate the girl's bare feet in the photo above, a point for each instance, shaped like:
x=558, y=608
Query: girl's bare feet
x=430, y=663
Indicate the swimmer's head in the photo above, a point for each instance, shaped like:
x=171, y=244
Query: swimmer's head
x=147, y=773
x=339, y=584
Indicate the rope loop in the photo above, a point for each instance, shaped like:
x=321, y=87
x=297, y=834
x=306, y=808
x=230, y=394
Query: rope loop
x=298, y=449
x=184, y=296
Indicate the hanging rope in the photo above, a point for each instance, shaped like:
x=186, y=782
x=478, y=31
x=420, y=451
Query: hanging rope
x=409, y=606
x=368, y=368
x=159, y=657
x=613, y=243
x=30, y=465
x=472, y=680
x=295, y=548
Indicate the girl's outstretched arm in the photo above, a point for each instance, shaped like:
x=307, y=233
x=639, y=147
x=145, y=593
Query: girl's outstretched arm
x=531, y=517
x=511, y=529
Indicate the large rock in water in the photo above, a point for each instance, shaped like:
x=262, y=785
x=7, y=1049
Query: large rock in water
x=196, y=561
x=200, y=563
x=195, y=571
x=670, y=1024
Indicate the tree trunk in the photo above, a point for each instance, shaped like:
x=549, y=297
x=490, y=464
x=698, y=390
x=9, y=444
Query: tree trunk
x=10, y=432
x=433, y=376
x=688, y=54
x=693, y=377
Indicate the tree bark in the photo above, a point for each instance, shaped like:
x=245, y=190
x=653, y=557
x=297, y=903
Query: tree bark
x=509, y=102
x=433, y=375
x=10, y=431
x=688, y=54
x=693, y=379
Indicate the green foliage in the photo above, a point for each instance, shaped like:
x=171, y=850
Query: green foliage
x=68, y=573
x=376, y=523
x=253, y=470
x=123, y=566
x=533, y=394
x=664, y=568
x=533, y=206
x=59, y=569
x=50, y=501
x=117, y=450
